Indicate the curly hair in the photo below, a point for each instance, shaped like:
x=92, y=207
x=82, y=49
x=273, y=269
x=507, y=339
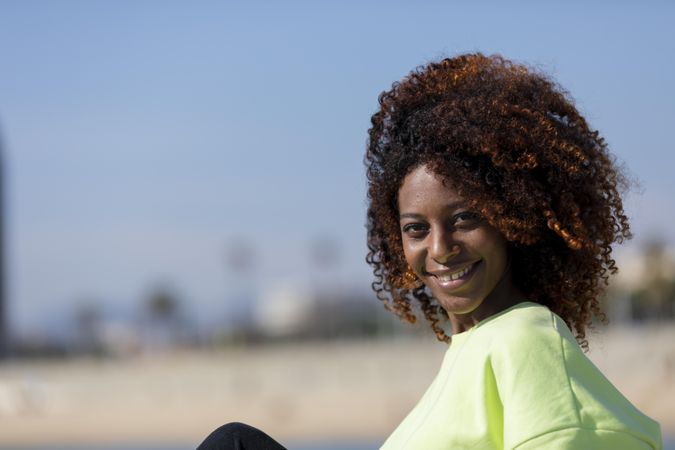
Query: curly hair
x=526, y=161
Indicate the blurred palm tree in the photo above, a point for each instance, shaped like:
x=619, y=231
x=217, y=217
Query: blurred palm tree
x=166, y=324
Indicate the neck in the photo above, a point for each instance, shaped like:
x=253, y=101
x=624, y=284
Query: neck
x=502, y=297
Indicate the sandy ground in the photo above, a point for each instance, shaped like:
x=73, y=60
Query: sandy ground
x=340, y=391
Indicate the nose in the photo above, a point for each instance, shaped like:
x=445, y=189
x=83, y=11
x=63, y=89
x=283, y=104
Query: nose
x=443, y=247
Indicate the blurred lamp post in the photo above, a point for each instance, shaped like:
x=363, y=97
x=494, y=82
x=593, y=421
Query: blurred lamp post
x=241, y=264
x=324, y=257
x=4, y=334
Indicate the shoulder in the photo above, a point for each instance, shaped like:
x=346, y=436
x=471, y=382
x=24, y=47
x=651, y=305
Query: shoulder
x=529, y=353
x=524, y=328
x=546, y=383
x=531, y=373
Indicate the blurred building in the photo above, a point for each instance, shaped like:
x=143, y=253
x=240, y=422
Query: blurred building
x=644, y=288
x=283, y=311
x=296, y=312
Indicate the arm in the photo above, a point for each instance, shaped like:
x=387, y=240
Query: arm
x=579, y=438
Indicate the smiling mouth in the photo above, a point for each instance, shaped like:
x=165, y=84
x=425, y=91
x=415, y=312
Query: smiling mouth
x=456, y=278
x=455, y=275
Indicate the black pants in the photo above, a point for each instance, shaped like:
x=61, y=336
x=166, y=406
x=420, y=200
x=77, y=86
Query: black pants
x=239, y=436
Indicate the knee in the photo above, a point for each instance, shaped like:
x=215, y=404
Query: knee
x=228, y=436
x=234, y=426
x=231, y=429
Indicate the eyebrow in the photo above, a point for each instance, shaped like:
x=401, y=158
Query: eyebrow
x=449, y=206
x=410, y=216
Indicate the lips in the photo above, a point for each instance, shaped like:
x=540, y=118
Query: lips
x=454, y=278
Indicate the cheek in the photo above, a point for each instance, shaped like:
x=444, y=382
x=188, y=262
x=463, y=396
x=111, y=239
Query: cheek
x=491, y=246
x=498, y=256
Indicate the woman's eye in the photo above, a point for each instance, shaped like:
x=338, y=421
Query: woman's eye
x=466, y=218
x=415, y=229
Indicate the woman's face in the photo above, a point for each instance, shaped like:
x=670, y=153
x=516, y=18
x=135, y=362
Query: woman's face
x=459, y=257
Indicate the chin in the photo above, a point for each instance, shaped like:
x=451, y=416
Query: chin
x=459, y=305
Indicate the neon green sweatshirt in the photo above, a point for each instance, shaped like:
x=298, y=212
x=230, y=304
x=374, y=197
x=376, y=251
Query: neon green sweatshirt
x=519, y=380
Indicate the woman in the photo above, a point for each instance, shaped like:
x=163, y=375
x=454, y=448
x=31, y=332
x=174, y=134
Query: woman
x=494, y=206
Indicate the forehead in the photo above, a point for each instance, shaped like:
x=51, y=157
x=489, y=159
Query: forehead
x=421, y=187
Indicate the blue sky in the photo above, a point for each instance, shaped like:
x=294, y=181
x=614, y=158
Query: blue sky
x=141, y=138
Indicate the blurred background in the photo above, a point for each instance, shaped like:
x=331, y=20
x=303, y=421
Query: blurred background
x=183, y=209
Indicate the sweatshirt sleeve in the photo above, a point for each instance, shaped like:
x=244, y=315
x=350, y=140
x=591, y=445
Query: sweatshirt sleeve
x=553, y=396
x=580, y=438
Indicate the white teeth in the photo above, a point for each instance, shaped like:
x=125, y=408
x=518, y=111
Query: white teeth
x=455, y=275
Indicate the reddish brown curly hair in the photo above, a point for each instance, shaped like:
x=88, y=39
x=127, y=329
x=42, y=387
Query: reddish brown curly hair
x=523, y=157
